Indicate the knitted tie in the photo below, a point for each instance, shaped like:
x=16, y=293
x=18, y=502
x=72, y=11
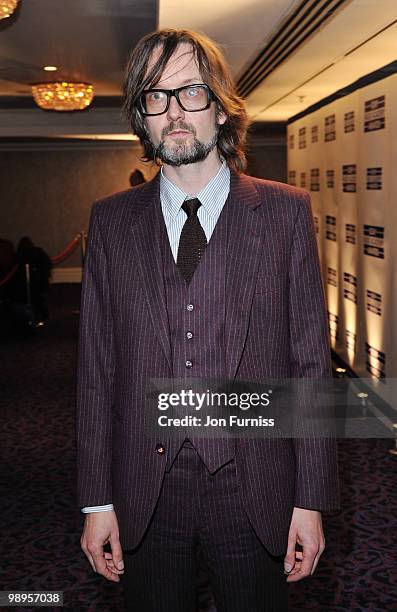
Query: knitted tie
x=192, y=241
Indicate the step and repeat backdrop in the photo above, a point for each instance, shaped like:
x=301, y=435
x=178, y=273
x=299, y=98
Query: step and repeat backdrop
x=345, y=154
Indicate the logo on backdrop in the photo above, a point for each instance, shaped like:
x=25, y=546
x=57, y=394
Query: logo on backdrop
x=350, y=287
x=349, y=122
x=374, y=302
x=350, y=340
x=330, y=128
x=330, y=228
x=374, y=178
x=333, y=325
x=314, y=132
x=374, y=237
x=315, y=179
x=350, y=235
x=302, y=138
x=330, y=178
x=303, y=179
x=375, y=361
x=292, y=177
x=349, y=178
x=374, y=114
x=332, y=277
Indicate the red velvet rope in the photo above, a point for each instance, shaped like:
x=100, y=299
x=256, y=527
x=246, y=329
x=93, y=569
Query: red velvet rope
x=67, y=251
x=55, y=260
x=9, y=275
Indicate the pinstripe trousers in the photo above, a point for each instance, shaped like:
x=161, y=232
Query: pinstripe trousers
x=202, y=512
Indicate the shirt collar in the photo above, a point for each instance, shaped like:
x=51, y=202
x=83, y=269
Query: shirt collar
x=212, y=196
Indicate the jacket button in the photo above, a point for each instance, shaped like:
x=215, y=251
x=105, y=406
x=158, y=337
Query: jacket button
x=160, y=449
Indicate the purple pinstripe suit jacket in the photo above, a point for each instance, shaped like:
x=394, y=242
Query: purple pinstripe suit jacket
x=275, y=327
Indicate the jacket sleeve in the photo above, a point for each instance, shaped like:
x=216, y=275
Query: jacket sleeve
x=316, y=478
x=95, y=376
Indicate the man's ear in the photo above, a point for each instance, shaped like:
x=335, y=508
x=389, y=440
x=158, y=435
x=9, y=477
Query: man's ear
x=220, y=116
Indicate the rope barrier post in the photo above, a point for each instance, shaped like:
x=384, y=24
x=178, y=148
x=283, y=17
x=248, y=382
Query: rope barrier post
x=83, y=246
x=27, y=280
x=32, y=320
x=83, y=243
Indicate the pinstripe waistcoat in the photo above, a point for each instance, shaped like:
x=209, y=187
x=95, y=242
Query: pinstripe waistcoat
x=205, y=351
x=274, y=326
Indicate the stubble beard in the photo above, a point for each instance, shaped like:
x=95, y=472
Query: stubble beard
x=183, y=152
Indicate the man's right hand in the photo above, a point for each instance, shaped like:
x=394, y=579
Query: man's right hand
x=99, y=529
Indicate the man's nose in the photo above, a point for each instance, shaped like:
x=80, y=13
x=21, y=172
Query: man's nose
x=174, y=110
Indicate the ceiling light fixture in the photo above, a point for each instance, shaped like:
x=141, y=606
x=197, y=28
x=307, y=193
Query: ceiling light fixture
x=7, y=7
x=50, y=68
x=63, y=96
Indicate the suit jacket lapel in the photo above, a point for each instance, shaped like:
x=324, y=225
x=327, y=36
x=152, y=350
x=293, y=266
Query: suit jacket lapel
x=147, y=233
x=245, y=247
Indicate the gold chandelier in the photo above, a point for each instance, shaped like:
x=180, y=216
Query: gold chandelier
x=63, y=95
x=7, y=7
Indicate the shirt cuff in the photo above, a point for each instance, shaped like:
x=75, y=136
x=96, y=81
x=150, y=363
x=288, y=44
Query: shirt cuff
x=104, y=508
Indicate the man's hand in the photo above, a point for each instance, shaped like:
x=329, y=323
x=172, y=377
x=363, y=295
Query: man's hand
x=306, y=530
x=99, y=529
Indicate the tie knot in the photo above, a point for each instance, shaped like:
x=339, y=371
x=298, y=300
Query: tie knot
x=191, y=206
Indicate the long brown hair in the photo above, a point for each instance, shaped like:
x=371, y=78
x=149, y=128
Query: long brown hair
x=214, y=72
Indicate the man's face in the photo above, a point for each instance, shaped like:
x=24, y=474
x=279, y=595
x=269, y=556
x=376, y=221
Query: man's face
x=181, y=137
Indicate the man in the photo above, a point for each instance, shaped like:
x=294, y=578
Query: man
x=201, y=272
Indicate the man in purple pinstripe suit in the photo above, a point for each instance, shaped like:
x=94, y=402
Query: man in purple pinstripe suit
x=201, y=272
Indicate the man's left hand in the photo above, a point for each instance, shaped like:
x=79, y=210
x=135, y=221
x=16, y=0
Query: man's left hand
x=306, y=530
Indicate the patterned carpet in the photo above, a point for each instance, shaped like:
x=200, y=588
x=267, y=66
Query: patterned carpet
x=41, y=526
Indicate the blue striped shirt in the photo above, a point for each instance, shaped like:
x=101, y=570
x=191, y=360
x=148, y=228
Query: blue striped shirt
x=212, y=198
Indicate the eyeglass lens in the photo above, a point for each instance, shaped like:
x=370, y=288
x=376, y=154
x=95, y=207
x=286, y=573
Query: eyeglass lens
x=191, y=98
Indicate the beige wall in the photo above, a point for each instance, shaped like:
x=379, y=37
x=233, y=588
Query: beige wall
x=47, y=194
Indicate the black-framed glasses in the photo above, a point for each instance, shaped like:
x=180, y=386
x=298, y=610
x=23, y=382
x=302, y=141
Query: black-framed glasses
x=191, y=98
